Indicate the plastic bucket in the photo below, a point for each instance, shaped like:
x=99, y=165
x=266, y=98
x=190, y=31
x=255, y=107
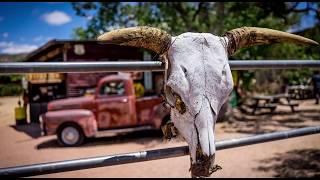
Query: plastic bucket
x=20, y=115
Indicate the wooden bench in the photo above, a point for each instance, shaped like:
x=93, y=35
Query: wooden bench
x=270, y=106
x=271, y=102
x=292, y=105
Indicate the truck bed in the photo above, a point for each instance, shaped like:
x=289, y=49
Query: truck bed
x=147, y=102
x=144, y=107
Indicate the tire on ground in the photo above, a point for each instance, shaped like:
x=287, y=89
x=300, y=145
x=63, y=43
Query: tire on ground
x=73, y=129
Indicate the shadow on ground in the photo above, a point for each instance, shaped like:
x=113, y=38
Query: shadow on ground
x=293, y=164
x=149, y=138
x=33, y=129
x=243, y=121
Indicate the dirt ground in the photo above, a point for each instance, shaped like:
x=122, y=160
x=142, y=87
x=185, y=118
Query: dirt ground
x=295, y=157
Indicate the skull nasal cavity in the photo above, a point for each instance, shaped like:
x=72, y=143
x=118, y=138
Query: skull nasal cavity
x=184, y=70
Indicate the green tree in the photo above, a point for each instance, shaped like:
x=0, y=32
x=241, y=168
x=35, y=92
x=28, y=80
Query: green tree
x=212, y=17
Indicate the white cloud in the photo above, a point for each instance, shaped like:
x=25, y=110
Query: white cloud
x=5, y=44
x=41, y=39
x=5, y=34
x=56, y=18
x=294, y=29
x=89, y=17
x=38, y=38
x=291, y=30
x=49, y=38
x=13, y=48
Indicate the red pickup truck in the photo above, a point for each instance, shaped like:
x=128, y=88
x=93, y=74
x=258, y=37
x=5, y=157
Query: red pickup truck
x=114, y=106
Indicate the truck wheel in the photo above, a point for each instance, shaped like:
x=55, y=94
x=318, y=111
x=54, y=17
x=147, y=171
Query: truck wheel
x=70, y=135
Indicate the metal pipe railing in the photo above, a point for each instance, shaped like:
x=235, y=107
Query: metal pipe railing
x=78, y=164
x=273, y=64
x=85, y=67
x=80, y=67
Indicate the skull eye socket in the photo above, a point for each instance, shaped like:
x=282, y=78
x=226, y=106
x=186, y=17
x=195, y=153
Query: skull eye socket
x=179, y=104
x=174, y=100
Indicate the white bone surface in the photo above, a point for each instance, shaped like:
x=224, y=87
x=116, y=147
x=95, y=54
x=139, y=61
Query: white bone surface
x=201, y=75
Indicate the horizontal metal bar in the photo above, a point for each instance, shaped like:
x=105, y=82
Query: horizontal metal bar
x=85, y=67
x=273, y=64
x=86, y=163
x=80, y=67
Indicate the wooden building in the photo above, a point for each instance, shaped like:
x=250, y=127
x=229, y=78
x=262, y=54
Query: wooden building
x=44, y=87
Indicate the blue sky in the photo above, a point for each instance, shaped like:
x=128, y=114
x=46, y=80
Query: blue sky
x=25, y=26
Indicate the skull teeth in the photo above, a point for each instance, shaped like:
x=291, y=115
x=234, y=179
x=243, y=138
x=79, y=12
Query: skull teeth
x=203, y=167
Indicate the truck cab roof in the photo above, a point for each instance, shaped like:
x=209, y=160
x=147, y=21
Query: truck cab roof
x=120, y=76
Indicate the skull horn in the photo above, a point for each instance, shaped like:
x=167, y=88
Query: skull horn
x=143, y=37
x=251, y=36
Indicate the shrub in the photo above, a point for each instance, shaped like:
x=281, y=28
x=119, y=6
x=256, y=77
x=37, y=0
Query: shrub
x=10, y=89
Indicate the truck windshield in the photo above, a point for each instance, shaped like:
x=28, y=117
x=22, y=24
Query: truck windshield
x=113, y=88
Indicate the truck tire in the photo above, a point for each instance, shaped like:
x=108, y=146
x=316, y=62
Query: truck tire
x=70, y=135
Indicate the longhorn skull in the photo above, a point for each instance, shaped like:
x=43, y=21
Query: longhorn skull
x=198, y=78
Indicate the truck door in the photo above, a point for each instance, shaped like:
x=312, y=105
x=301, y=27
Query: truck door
x=115, y=107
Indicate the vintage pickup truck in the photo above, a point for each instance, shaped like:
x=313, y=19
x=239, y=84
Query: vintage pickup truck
x=114, y=106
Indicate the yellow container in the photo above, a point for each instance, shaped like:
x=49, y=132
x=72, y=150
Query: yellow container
x=138, y=89
x=20, y=115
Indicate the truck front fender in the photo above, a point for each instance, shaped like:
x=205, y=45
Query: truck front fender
x=52, y=120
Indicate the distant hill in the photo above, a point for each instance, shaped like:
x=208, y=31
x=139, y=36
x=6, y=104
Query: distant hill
x=12, y=57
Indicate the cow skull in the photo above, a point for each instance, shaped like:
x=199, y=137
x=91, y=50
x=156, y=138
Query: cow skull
x=198, y=78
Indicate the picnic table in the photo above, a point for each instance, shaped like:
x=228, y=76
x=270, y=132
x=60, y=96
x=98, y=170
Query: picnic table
x=272, y=101
x=300, y=91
